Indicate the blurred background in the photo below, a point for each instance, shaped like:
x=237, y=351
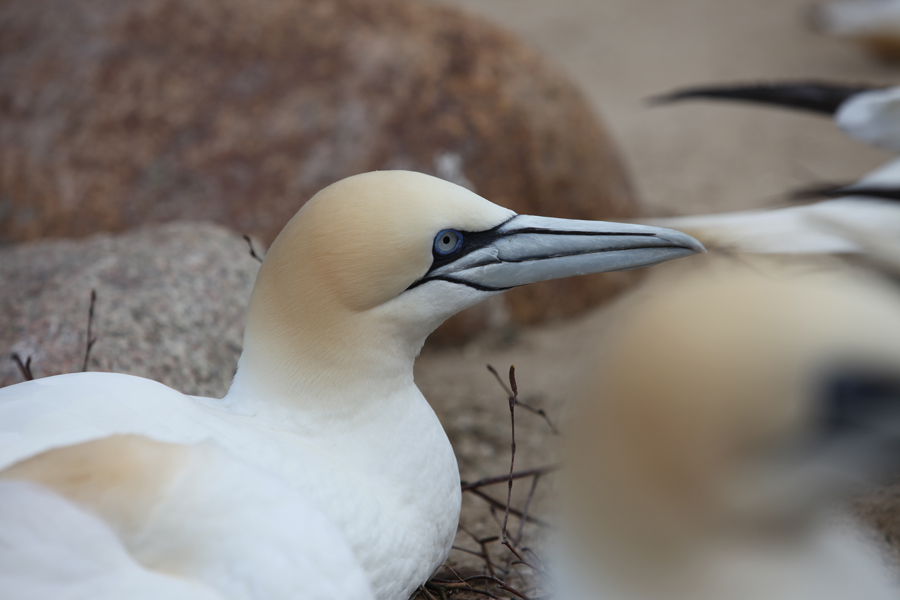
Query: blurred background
x=141, y=139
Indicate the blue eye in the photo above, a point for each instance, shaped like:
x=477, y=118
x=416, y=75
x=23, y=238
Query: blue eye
x=447, y=242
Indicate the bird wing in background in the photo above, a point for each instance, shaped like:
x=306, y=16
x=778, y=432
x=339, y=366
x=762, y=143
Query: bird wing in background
x=850, y=224
x=840, y=225
x=810, y=96
x=869, y=114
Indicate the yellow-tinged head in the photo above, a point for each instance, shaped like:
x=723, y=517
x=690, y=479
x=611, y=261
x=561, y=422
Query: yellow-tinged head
x=365, y=239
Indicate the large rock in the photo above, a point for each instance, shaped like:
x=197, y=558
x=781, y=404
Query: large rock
x=170, y=305
x=117, y=113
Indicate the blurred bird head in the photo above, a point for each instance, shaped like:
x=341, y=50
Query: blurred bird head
x=730, y=407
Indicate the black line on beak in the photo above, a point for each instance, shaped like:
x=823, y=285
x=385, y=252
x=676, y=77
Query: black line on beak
x=449, y=279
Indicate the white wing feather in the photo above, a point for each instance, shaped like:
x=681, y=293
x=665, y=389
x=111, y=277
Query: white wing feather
x=820, y=228
x=49, y=548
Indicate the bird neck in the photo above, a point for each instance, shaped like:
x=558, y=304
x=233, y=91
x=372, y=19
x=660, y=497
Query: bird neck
x=316, y=356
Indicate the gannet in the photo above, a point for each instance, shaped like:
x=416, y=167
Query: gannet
x=729, y=415
x=324, y=399
x=841, y=225
x=873, y=23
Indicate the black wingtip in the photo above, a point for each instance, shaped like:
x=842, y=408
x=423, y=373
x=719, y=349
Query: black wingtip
x=820, y=191
x=818, y=97
x=824, y=191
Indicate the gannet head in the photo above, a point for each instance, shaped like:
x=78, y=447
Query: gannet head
x=730, y=411
x=374, y=263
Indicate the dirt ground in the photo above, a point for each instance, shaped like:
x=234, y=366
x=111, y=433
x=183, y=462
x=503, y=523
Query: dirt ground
x=684, y=159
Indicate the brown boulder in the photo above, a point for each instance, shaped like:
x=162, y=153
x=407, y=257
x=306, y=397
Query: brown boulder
x=116, y=113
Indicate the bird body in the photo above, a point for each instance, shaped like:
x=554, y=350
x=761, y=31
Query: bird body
x=324, y=398
x=730, y=414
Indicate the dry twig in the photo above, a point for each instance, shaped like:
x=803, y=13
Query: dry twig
x=252, y=251
x=528, y=407
x=512, y=510
x=502, y=478
x=89, y=341
x=534, y=482
x=512, y=459
x=24, y=368
x=541, y=412
x=492, y=572
x=424, y=591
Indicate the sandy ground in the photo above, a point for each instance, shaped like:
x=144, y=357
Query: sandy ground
x=684, y=159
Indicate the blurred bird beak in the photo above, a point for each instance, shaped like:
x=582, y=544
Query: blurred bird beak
x=807, y=96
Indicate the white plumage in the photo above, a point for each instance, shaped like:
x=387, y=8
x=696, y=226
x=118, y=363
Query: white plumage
x=849, y=225
x=216, y=529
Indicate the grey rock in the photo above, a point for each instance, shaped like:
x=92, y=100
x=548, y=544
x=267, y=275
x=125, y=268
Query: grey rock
x=170, y=305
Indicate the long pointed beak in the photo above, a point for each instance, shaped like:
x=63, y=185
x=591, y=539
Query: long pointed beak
x=529, y=249
x=816, y=97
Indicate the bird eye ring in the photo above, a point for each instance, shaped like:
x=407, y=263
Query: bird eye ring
x=447, y=242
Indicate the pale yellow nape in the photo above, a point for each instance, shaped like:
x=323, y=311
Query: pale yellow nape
x=352, y=248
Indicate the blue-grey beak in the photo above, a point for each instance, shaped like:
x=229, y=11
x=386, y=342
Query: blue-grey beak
x=528, y=249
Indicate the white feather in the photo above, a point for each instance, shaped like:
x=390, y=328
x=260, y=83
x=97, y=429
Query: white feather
x=827, y=227
x=49, y=548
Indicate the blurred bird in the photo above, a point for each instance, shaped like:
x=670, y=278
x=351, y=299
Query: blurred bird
x=864, y=216
x=875, y=24
x=323, y=400
x=730, y=414
x=869, y=114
